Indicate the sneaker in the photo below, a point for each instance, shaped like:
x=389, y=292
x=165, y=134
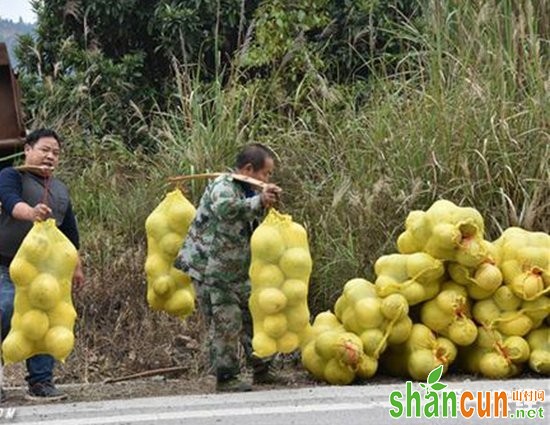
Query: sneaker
x=44, y=391
x=233, y=385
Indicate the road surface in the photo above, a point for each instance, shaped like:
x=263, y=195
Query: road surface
x=330, y=405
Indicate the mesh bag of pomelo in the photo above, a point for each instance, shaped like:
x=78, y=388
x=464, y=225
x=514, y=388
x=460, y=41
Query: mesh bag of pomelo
x=44, y=316
x=168, y=289
x=377, y=321
x=449, y=314
x=539, y=343
x=480, y=281
x=279, y=274
x=446, y=232
x=494, y=355
x=524, y=258
x=419, y=355
x=509, y=314
x=334, y=355
x=416, y=276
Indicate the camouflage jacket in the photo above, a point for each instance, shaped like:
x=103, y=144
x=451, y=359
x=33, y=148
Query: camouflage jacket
x=217, y=246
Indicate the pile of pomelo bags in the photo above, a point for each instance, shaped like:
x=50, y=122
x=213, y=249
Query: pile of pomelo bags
x=448, y=297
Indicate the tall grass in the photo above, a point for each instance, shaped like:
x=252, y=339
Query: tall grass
x=462, y=114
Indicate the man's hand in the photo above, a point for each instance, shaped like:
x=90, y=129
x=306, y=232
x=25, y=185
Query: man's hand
x=270, y=195
x=78, y=276
x=41, y=212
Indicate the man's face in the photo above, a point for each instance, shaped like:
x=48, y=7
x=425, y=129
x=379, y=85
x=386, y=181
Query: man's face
x=263, y=174
x=44, y=152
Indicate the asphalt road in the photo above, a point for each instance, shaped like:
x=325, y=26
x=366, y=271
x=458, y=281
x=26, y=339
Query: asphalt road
x=351, y=405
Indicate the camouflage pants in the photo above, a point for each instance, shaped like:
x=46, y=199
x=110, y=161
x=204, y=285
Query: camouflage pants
x=225, y=308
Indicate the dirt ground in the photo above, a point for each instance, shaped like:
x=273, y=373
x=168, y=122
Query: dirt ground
x=180, y=383
x=155, y=386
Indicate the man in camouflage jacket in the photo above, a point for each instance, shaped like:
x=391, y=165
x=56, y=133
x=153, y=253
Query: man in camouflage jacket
x=216, y=255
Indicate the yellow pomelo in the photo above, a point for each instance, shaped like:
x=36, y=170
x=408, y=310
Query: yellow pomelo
x=62, y=260
x=297, y=318
x=394, y=306
x=434, y=317
x=156, y=265
x=349, y=321
x=294, y=235
x=170, y=244
x=527, y=285
x=539, y=361
x=155, y=302
x=349, y=348
x=506, y=300
x=512, y=323
x=312, y=362
x=267, y=243
x=400, y=331
x=462, y=332
x=337, y=374
x=476, y=293
x=180, y=303
x=407, y=244
x=295, y=291
x=21, y=271
x=63, y=314
x=417, y=223
x=59, y=342
x=271, y=300
x=327, y=320
x=368, y=314
x=325, y=344
x=421, y=363
x=414, y=292
x=517, y=349
x=263, y=345
x=16, y=320
x=275, y=325
x=367, y=367
x=156, y=225
x=16, y=347
x=35, y=324
x=267, y=275
x=373, y=340
x=44, y=292
x=296, y=263
x=488, y=277
x=288, y=343
x=35, y=248
x=180, y=214
x=179, y=277
x=164, y=285
x=340, y=306
x=424, y=266
x=493, y=365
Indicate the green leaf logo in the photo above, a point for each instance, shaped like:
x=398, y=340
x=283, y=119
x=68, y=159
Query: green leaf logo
x=433, y=378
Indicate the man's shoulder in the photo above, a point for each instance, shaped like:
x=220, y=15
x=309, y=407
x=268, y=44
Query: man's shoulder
x=9, y=173
x=223, y=183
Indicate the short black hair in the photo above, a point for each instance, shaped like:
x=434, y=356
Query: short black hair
x=255, y=154
x=36, y=135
